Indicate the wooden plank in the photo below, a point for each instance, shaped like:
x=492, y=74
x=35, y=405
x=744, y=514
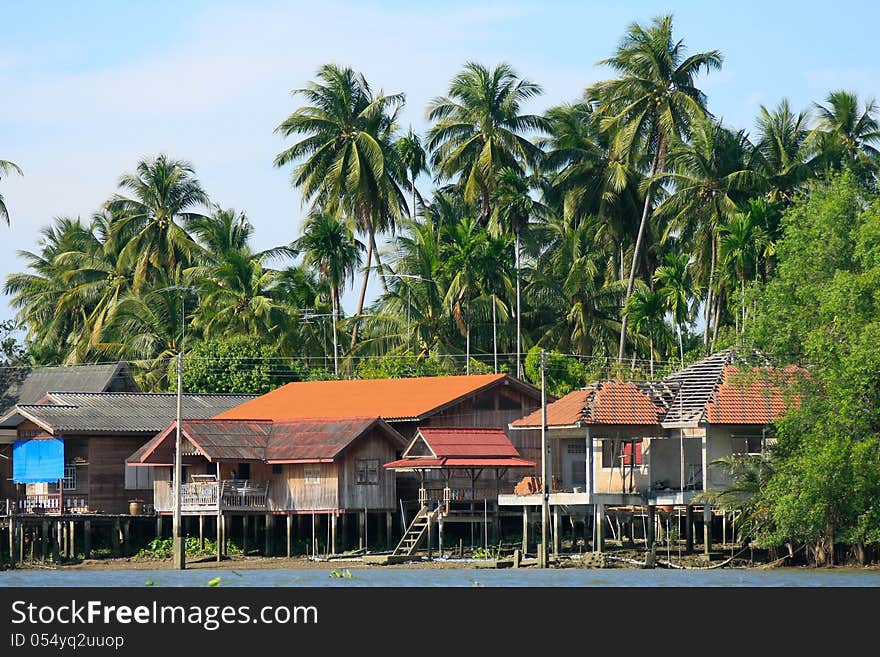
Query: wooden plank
x=87, y=539
x=269, y=534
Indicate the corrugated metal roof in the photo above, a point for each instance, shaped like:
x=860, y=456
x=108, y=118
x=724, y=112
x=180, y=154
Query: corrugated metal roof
x=391, y=399
x=447, y=442
x=118, y=412
x=24, y=385
x=301, y=440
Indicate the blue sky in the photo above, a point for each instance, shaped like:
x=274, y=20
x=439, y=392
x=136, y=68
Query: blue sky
x=89, y=88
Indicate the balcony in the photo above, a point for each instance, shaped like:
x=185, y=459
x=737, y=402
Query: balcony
x=50, y=503
x=213, y=496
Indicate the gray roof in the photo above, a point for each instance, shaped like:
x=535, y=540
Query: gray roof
x=28, y=385
x=694, y=385
x=109, y=412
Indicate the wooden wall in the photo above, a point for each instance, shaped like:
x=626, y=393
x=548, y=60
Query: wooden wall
x=107, y=454
x=356, y=497
x=304, y=497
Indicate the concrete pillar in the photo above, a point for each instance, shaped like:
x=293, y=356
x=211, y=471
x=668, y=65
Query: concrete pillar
x=158, y=526
x=362, y=529
x=270, y=535
x=114, y=537
x=126, y=538
x=289, y=527
x=557, y=542
x=599, y=525
x=651, y=525
x=333, y=533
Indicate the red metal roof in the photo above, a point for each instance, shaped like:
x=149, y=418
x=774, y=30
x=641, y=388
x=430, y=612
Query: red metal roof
x=608, y=402
x=414, y=463
x=750, y=397
x=391, y=399
x=447, y=442
x=306, y=440
x=462, y=447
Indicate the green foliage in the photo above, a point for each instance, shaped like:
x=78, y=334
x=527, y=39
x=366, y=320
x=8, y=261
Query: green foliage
x=341, y=574
x=239, y=364
x=162, y=548
x=491, y=552
x=564, y=373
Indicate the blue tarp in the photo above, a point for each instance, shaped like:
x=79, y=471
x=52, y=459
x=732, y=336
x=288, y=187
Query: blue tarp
x=36, y=461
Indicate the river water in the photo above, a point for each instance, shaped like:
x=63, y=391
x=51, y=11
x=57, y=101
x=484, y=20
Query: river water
x=464, y=577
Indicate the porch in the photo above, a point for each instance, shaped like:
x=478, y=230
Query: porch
x=212, y=496
x=46, y=503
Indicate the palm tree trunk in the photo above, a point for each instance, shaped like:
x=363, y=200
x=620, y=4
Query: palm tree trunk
x=651, y=349
x=378, y=259
x=519, y=373
x=495, y=333
x=742, y=279
x=467, y=342
x=717, y=321
x=709, y=294
x=414, y=195
x=635, y=259
x=335, y=293
x=363, y=294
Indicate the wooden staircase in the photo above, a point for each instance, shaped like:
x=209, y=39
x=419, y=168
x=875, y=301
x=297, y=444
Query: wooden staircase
x=416, y=532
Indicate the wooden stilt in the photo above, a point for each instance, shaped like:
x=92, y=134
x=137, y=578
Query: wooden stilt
x=219, y=537
x=224, y=535
x=440, y=536
x=21, y=543
x=12, y=529
x=333, y=533
x=87, y=539
x=244, y=534
x=71, y=537
x=689, y=528
x=289, y=526
x=525, y=531
x=707, y=529
x=159, y=527
x=389, y=530
x=117, y=530
x=201, y=532
x=44, y=540
x=270, y=532
x=362, y=529
x=651, y=526
x=126, y=538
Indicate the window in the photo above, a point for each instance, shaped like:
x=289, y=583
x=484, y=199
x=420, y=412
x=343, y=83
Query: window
x=746, y=444
x=312, y=476
x=139, y=477
x=367, y=471
x=617, y=452
x=277, y=469
x=69, y=476
x=576, y=448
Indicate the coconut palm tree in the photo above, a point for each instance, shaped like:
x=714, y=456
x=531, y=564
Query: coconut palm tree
x=414, y=159
x=345, y=158
x=149, y=225
x=848, y=132
x=677, y=287
x=329, y=245
x=710, y=174
x=646, y=309
x=479, y=129
x=7, y=167
x=653, y=100
x=586, y=177
x=785, y=147
x=513, y=207
x=741, y=242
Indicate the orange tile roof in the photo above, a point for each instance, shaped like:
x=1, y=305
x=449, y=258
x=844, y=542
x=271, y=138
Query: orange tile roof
x=750, y=398
x=609, y=402
x=391, y=399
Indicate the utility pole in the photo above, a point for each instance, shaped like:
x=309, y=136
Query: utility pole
x=545, y=462
x=178, y=548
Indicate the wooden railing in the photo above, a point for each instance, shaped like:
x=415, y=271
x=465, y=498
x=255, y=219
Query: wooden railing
x=229, y=495
x=53, y=503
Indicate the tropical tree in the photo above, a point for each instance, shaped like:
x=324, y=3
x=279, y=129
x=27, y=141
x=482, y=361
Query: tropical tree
x=479, y=130
x=149, y=225
x=653, y=100
x=646, y=309
x=710, y=174
x=7, y=167
x=345, y=159
x=785, y=148
x=677, y=288
x=848, y=133
x=329, y=245
x=513, y=208
x=414, y=159
x=741, y=243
